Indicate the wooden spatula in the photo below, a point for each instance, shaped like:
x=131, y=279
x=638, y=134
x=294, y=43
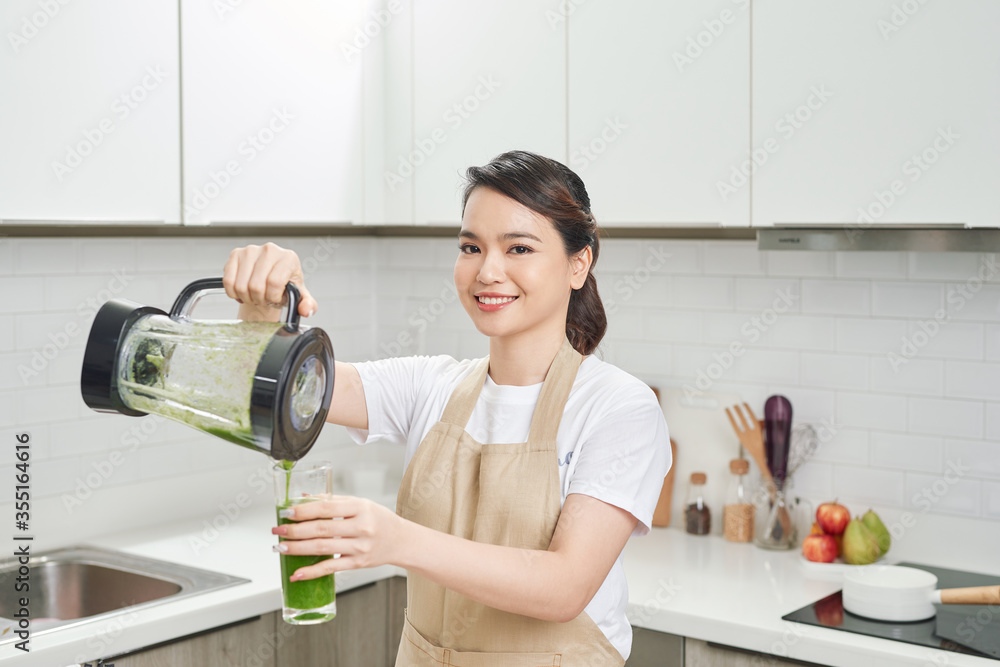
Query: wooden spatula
x=751, y=437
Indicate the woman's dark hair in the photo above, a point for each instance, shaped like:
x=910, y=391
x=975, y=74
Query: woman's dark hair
x=551, y=189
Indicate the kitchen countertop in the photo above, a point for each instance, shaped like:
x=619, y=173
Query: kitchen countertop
x=700, y=587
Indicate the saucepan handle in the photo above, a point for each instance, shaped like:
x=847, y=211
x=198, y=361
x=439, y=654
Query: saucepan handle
x=192, y=294
x=973, y=595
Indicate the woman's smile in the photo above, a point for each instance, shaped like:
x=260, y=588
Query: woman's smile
x=490, y=302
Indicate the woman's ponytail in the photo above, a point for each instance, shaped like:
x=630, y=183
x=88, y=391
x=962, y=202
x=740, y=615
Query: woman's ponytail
x=552, y=189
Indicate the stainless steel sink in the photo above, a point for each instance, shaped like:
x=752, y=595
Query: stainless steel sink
x=81, y=584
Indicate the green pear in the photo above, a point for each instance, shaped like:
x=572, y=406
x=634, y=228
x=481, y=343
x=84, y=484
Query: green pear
x=860, y=544
x=874, y=524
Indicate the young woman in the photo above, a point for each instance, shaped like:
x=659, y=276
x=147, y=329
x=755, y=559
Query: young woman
x=526, y=471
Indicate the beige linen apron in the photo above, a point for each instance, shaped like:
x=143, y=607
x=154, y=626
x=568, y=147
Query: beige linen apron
x=505, y=494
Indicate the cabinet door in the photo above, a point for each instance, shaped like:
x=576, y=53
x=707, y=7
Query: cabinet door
x=488, y=78
x=877, y=111
x=655, y=649
x=272, y=111
x=658, y=109
x=89, y=111
x=253, y=642
x=357, y=636
x=698, y=653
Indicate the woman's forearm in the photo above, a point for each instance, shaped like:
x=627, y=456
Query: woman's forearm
x=522, y=581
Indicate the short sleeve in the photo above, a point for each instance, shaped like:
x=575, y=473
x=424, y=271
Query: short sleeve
x=625, y=454
x=392, y=389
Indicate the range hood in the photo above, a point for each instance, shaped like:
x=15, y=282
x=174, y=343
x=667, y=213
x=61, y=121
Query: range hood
x=885, y=238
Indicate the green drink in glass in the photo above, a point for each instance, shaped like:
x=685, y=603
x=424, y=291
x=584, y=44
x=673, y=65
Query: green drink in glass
x=308, y=601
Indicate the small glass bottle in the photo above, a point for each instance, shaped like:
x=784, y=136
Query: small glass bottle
x=697, y=516
x=738, y=513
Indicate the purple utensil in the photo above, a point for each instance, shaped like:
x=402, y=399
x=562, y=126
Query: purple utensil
x=777, y=436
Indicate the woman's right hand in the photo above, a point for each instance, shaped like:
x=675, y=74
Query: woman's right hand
x=256, y=277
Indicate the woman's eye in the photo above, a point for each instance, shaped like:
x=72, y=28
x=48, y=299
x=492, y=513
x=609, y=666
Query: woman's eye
x=521, y=250
x=467, y=248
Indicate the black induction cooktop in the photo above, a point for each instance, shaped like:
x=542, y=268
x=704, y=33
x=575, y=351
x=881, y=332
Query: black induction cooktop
x=960, y=628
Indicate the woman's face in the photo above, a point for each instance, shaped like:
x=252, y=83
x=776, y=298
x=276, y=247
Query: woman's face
x=513, y=275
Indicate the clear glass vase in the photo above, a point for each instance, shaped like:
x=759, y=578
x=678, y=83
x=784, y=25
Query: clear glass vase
x=775, y=528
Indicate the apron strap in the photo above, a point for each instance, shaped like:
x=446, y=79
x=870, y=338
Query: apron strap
x=552, y=398
x=463, y=399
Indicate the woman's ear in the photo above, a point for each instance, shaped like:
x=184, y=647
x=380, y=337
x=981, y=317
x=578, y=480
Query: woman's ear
x=580, y=267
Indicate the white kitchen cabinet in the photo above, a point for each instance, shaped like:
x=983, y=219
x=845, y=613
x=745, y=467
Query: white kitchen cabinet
x=878, y=111
x=487, y=78
x=89, y=111
x=273, y=110
x=658, y=109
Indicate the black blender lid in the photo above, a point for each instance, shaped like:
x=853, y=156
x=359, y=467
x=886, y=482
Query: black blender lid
x=272, y=412
x=98, y=381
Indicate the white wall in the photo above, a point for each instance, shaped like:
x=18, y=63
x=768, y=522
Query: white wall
x=897, y=430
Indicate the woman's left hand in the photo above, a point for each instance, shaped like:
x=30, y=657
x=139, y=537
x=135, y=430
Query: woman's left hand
x=364, y=533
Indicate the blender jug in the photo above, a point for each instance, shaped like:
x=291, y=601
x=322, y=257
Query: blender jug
x=262, y=385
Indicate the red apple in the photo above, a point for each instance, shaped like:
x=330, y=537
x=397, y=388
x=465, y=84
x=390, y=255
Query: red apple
x=819, y=548
x=832, y=518
x=830, y=611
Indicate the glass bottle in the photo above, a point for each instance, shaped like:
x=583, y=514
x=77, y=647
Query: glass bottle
x=738, y=513
x=697, y=516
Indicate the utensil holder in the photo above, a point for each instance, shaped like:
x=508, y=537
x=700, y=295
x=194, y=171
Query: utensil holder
x=774, y=526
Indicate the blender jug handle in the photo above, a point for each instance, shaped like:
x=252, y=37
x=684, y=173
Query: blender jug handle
x=192, y=294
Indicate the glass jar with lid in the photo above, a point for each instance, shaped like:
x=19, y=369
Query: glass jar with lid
x=697, y=516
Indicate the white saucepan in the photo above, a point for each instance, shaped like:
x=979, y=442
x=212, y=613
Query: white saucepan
x=896, y=593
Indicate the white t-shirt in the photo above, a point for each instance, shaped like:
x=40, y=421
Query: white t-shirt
x=613, y=443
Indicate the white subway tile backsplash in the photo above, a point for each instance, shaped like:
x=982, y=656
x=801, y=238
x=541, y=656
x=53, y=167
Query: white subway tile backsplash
x=873, y=336
x=414, y=253
x=54, y=332
x=980, y=457
x=42, y=257
x=836, y=297
x=889, y=265
x=945, y=417
x=644, y=290
x=23, y=294
x=840, y=371
x=993, y=421
x=729, y=259
x=943, y=494
x=979, y=302
x=802, y=332
x=702, y=292
x=900, y=375
x=727, y=328
x=6, y=333
x=679, y=257
x=163, y=460
x=764, y=294
x=83, y=436
x=797, y=263
x=8, y=408
x=6, y=257
x=814, y=479
x=815, y=406
x=74, y=293
x=626, y=323
x=55, y=476
x=902, y=451
x=672, y=326
x=902, y=299
x=17, y=372
x=992, y=341
x=867, y=485
x=991, y=500
x=944, y=266
x=103, y=255
x=846, y=445
x=874, y=411
x=644, y=360
x=39, y=443
x=971, y=379
x=620, y=257
x=948, y=340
